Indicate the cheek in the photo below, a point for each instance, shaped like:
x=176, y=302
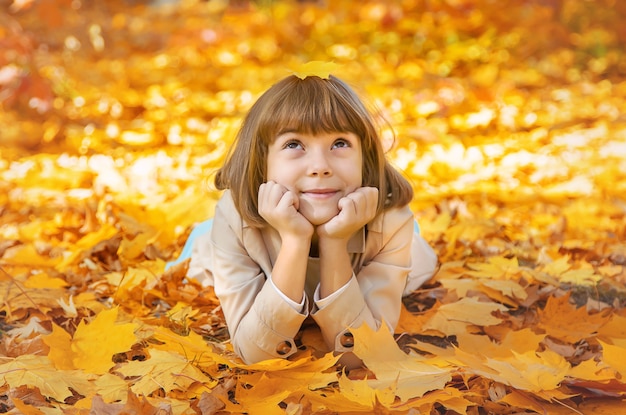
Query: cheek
x=358, y=178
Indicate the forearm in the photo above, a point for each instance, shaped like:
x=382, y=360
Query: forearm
x=289, y=271
x=335, y=265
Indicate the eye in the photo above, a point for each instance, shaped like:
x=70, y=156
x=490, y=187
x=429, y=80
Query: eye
x=292, y=145
x=341, y=143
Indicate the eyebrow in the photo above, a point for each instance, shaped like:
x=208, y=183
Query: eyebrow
x=287, y=131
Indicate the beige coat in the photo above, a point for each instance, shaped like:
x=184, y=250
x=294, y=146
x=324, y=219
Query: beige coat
x=238, y=259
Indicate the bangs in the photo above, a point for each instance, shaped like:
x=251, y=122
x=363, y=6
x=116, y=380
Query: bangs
x=311, y=106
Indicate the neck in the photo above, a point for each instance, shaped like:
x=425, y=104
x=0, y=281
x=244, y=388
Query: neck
x=314, y=251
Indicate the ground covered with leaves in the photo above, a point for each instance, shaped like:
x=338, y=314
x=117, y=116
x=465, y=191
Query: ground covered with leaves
x=509, y=122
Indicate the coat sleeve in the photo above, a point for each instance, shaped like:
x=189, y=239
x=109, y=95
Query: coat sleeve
x=261, y=323
x=374, y=294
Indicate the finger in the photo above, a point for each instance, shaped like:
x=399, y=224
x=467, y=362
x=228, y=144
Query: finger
x=287, y=200
x=348, y=205
x=275, y=194
x=270, y=194
x=370, y=194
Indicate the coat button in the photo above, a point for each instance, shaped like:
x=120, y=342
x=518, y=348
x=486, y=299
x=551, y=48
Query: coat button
x=283, y=348
x=347, y=340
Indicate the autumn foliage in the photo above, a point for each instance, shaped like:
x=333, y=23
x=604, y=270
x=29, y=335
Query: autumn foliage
x=509, y=121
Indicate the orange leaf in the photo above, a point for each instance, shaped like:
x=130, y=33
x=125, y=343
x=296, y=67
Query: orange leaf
x=564, y=321
x=25, y=409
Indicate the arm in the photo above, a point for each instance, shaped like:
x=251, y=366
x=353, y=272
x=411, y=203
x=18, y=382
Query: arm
x=374, y=294
x=261, y=323
x=279, y=207
x=355, y=210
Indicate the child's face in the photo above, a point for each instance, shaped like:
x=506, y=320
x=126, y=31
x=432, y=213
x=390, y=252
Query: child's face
x=319, y=169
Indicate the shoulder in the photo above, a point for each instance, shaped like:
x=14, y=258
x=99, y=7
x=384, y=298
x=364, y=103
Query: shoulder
x=226, y=214
x=391, y=220
x=226, y=203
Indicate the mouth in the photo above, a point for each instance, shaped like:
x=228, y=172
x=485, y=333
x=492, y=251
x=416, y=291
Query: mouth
x=320, y=193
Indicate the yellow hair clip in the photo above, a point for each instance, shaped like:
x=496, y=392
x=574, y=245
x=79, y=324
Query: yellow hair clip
x=315, y=68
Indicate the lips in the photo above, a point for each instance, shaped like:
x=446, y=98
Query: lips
x=320, y=193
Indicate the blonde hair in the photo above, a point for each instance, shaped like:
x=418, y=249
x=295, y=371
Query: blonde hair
x=310, y=106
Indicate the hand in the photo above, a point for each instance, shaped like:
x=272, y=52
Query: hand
x=279, y=207
x=355, y=210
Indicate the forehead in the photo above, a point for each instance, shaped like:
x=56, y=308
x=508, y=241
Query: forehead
x=313, y=114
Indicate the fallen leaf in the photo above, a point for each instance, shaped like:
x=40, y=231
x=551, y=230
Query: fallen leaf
x=38, y=372
x=406, y=376
x=166, y=370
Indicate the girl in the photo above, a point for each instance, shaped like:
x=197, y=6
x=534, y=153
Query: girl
x=313, y=222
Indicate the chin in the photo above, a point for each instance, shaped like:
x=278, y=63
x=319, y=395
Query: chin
x=319, y=218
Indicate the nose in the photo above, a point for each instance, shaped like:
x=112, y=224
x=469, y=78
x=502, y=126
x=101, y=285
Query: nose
x=319, y=164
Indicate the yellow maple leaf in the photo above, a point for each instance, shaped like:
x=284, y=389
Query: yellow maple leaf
x=191, y=345
x=365, y=394
x=613, y=355
x=15, y=297
x=27, y=254
x=592, y=370
x=503, y=291
x=38, y=371
x=562, y=320
x=25, y=409
x=454, y=318
x=164, y=369
x=615, y=328
x=133, y=277
x=107, y=387
x=59, y=342
x=537, y=372
x=407, y=376
x=581, y=276
x=564, y=270
x=496, y=267
x=558, y=266
x=338, y=401
x=469, y=231
x=509, y=288
x=43, y=280
x=523, y=400
x=106, y=232
x=315, y=68
x=263, y=397
x=452, y=398
x=431, y=229
x=130, y=249
x=450, y=270
x=521, y=341
x=93, y=345
x=111, y=388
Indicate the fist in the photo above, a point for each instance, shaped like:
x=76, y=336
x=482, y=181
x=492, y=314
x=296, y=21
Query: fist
x=279, y=207
x=355, y=210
